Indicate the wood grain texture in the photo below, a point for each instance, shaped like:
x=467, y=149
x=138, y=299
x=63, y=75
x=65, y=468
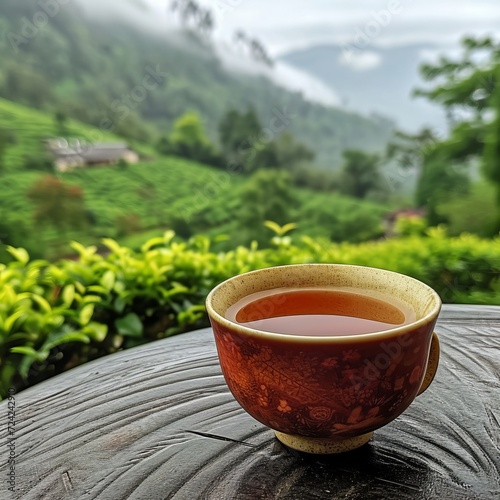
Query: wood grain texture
x=158, y=422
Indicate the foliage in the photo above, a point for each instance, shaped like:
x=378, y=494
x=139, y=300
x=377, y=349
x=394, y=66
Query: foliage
x=165, y=193
x=60, y=121
x=439, y=176
x=473, y=212
x=410, y=225
x=161, y=194
x=468, y=89
x=410, y=153
x=193, y=16
x=253, y=47
x=315, y=179
x=56, y=316
x=236, y=133
x=491, y=157
x=7, y=139
x=188, y=140
x=341, y=218
x=409, y=149
x=248, y=146
x=360, y=173
x=41, y=162
x=57, y=203
x=283, y=153
x=325, y=215
x=439, y=180
x=466, y=84
x=267, y=195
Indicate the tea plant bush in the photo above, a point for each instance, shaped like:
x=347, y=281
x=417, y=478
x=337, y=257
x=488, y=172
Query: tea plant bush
x=54, y=316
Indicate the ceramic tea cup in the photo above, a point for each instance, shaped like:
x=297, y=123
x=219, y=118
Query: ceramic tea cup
x=326, y=394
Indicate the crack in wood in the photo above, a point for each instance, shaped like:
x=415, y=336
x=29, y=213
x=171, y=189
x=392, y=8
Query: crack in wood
x=220, y=438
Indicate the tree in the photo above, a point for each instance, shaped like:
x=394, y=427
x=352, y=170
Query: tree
x=438, y=176
x=243, y=144
x=58, y=204
x=409, y=150
x=360, y=173
x=237, y=130
x=193, y=16
x=469, y=91
x=22, y=84
x=439, y=179
x=253, y=47
x=60, y=119
x=188, y=130
x=188, y=139
x=291, y=153
x=474, y=213
x=259, y=52
x=267, y=195
x=491, y=156
x=283, y=153
x=315, y=178
x=163, y=146
x=205, y=22
x=341, y=218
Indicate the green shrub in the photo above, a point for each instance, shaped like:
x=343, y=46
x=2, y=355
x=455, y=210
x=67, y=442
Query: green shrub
x=341, y=218
x=56, y=316
x=42, y=162
x=475, y=212
x=410, y=225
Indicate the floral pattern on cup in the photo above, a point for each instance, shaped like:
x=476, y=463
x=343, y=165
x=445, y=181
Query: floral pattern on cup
x=339, y=391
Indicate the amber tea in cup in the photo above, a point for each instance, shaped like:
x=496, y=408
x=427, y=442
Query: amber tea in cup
x=319, y=312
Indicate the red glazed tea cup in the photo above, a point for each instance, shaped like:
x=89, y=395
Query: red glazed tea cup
x=327, y=394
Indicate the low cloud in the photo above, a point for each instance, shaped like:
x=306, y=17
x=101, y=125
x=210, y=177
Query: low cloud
x=280, y=74
x=362, y=60
x=139, y=13
x=147, y=15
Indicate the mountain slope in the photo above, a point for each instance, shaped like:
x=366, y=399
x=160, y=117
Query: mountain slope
x=136, y=81
x=383, y=84
x=154, y=195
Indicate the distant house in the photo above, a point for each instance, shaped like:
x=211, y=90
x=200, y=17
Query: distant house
x=77, y=154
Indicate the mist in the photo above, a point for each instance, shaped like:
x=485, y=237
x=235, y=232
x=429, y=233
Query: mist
x=138, y=13
x=154, y=19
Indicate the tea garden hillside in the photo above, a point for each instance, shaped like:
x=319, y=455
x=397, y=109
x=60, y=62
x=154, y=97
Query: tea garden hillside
x=219, y=153
x=43, y=208
x=191, y=185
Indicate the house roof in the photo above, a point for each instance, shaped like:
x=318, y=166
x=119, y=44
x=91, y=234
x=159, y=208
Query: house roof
x=94, y=152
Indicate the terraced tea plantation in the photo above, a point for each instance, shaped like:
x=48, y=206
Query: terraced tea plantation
x=126, y=199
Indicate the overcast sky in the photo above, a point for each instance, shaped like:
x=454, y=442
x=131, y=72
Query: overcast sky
x=286, y=24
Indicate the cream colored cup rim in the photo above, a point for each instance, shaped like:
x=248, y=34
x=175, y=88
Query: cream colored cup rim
x=393, y=332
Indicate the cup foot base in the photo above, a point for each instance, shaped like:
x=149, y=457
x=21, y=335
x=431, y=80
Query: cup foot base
x=322, y=446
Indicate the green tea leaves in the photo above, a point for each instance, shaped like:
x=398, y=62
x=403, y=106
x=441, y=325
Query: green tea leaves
x=129, y=326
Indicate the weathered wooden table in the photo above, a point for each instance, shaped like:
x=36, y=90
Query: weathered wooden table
x=158, y=422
